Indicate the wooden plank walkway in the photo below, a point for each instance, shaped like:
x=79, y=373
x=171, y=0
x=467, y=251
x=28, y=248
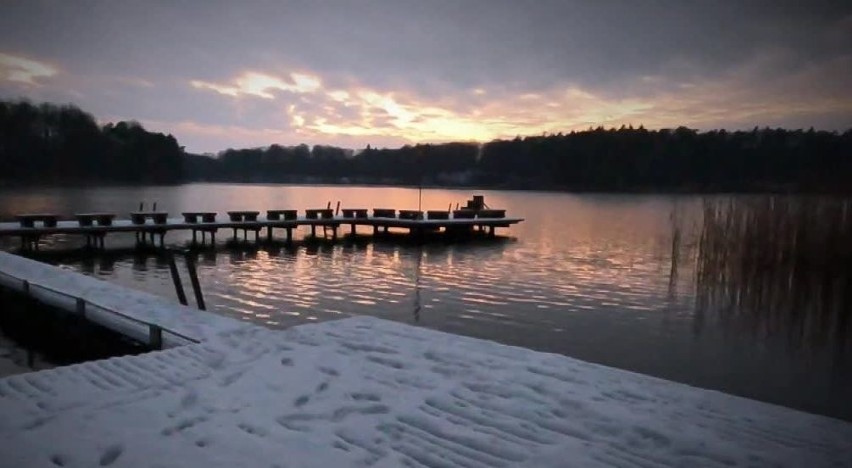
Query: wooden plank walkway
x=413, y=221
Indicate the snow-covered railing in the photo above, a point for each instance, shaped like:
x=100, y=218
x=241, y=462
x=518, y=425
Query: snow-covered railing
x=94, y=312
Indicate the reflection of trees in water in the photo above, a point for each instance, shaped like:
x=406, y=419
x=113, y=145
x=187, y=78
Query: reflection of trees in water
x=780, y=266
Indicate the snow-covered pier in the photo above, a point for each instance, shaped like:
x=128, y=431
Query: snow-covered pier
x=136, y=314
x=368, y=392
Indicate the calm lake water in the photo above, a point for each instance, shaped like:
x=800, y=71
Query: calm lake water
x=747, y=295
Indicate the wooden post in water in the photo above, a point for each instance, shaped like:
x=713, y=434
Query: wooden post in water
x=193, y=277
x=176, y=280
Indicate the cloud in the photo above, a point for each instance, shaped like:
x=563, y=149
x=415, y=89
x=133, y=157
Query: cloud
x=262, y=85
x=22, y=70
x=742, y=97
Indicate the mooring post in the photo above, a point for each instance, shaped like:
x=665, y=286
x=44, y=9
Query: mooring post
x=26, y=287
x=155, y=336
x=193, y=277
x=176, y=280
x=81, y=307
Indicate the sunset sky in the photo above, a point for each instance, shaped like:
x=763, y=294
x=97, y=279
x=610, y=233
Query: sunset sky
x=388, y=73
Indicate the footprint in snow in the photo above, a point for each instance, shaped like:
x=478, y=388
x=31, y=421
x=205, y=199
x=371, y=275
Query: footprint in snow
x=301, y=400
x=111, y=454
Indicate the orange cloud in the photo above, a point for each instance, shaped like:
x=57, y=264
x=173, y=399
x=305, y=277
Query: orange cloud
x=262, y=85
x=742, y=97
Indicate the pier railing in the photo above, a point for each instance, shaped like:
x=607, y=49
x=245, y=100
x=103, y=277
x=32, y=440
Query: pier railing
x=84, y=308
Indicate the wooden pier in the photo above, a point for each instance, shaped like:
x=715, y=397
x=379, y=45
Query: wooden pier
x=152, y=227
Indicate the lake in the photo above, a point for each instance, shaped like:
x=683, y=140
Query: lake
x=750, y=295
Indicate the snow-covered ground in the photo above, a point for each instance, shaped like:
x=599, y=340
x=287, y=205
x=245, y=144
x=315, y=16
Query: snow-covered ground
x=368, y=392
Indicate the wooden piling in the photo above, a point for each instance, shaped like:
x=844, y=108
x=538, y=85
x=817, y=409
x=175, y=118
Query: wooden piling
x=193, y=277
x=177, y=281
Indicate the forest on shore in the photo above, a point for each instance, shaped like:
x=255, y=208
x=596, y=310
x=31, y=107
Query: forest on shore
x=61, y=144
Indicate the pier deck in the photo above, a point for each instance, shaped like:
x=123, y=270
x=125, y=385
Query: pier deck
x=96, y=233
x=368, y=392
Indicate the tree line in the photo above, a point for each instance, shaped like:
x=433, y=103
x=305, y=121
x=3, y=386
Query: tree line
x=57, y=144
x=61, y=143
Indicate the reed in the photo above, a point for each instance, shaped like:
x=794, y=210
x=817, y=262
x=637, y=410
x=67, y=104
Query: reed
x=781, y=266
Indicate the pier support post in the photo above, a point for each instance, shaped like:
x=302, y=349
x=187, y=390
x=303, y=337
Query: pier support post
x=235, y=233
x=193, y=278
x=81, y=307
x=352, y=229
x=313, y=230
x=289, y=235
x=176, y=280
x=155, y=336
x=375, y=230
x=194, y=238
x=269, y=233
